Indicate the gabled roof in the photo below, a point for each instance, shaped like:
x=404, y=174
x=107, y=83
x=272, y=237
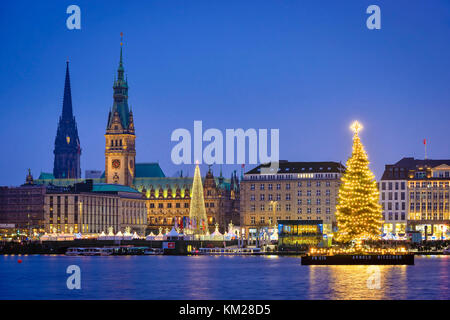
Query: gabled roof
x=149, y=170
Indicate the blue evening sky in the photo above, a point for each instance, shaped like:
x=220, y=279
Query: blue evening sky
x=308, y=68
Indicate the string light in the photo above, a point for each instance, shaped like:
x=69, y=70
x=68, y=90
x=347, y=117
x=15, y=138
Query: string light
x=358, y=212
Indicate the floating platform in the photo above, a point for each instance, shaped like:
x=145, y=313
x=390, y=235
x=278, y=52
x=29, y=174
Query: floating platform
x=361, y=259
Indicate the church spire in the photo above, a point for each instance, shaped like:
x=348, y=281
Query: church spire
x=67, y=143
x=67, y=113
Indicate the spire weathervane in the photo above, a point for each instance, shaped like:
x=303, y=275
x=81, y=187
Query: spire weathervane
x=356, y=127
x=121, y=38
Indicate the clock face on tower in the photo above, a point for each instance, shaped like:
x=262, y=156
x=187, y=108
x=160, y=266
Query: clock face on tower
x=116, y=163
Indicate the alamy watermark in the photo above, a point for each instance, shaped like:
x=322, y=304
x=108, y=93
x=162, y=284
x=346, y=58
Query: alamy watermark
x=230, y=151
x=374, y=20
x=74, y=20
x=374, y=279
x=74, y=280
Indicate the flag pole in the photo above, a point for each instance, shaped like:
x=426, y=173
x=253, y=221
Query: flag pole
x=425, y=143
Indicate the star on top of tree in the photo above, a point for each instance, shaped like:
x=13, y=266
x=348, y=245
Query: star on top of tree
x=356, y=127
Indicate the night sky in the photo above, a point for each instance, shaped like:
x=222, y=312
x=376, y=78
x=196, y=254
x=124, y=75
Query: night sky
x=308, y=68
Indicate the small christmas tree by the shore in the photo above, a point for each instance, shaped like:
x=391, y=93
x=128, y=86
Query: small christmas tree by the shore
x=358, y=211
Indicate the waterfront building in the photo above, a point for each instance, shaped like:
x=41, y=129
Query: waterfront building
x=167, y=198
x=92, y=208
x=67, y=144
x=22, y=208
x=292, y=233
x=297, y=191
x=414, y=195
x=83, y=207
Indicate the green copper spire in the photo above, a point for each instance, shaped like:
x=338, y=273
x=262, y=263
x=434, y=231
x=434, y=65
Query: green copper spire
x=120, y=88
x=120, y=70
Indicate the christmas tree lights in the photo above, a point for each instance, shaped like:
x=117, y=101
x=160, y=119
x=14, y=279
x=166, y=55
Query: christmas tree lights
x=197, y=211
x=358, y=211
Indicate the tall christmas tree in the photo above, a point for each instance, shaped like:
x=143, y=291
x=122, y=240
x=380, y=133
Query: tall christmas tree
x=197, y=211
x=358, y=211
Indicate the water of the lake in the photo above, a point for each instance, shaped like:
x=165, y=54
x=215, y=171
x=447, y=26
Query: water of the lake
x=218, y=277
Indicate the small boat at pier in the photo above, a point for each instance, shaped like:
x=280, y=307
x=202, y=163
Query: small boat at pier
x=153, y=251
x=116, y=251
x=229, y=251
x=89, y=252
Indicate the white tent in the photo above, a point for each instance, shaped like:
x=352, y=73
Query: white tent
x=102, y=236
x=172, y=234
x=118, y=236
x=216, y=234
x=160, y=236
x=151, y=236
x=135, y=236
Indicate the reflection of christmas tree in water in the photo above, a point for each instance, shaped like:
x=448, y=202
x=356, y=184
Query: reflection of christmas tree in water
x=198, y=223
x=358, y=211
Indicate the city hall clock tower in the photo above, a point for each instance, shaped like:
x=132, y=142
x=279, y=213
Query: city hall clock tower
x=120, y=152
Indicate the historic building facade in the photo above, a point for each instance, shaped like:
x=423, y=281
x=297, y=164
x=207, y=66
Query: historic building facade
x=297, y=191
x=81, y=207
x=23, y=207
x=120, y=152
x=94, y=208
x=167, y=198
x=414, y=195
x=67, y=144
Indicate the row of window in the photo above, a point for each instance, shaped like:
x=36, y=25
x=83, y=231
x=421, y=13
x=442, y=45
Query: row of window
x=428, y=195
x=116, y=143
x=177, y=205
x=441, y=174
x=262, y=219
x=429, y=216
x=308, y=201
x=396, y=206
x=427, y=206
x=287, y=186
x=427, y=184
x=393, y=195
x=392, y=185
x=262, y=197
x=270, y=208
x=396, y=215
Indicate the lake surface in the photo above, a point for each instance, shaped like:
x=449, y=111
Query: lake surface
x=219, y=277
